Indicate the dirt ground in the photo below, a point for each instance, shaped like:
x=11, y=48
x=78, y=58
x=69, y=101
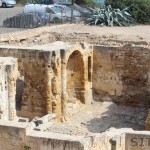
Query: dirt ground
x=133, y=33
x=99, y=117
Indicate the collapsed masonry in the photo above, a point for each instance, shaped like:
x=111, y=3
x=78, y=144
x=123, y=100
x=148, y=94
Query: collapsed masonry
x=45, y=80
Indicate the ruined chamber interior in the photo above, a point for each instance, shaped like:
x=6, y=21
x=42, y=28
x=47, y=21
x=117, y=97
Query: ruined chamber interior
x=65, y=83
x=74, y=88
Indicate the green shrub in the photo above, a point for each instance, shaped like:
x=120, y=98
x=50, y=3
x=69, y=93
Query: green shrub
x=140, y=10
x=86, y=2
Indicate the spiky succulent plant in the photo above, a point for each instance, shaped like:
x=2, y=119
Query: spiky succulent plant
x=110, y=17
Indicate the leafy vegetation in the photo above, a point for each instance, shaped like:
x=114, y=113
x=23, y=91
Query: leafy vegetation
x=140, y=10
x=86, y=2
x=110, y=17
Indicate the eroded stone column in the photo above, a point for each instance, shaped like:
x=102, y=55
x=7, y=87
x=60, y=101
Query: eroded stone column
x=88, y=70
x=11, y=78
x=3, y=93
x=63, y=82
x=48, y=72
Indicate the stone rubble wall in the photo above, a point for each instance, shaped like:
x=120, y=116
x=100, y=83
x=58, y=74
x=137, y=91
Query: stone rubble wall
x=123, y=139
x=18, y=136
x=122, y=74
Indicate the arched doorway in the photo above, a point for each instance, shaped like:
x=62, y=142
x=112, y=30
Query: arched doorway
x=75, y=77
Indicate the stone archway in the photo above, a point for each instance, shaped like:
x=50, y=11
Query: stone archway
x=75, y=77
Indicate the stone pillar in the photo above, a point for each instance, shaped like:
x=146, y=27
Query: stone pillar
x=48, y=72
x=88, y=78
x=3, y=93
x=11, y=78
x=63, y=82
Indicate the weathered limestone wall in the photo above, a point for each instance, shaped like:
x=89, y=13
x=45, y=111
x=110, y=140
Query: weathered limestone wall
x=42, y=77
x=122, y=74
x=138, y=140
x=32, y=69
x=79, y=76
x=17, y=136
x=117, y=87
x=76, y=76
x=8, y=75
x=124, y=139
x=20, y=136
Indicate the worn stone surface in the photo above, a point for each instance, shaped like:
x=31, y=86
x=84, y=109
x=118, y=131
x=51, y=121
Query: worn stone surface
x=121, y=74
x=8, y=76
x=99, y=117
x=45, y=74
x=60, y=78
x=17, y=136
x=137, y=141
x=124, y=75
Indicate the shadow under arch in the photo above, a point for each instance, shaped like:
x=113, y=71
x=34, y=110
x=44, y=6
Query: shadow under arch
x=75, y=77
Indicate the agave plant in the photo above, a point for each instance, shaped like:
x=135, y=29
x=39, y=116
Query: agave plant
x=110, y=17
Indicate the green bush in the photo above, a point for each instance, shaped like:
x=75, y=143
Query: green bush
x=86, y=2
x=140, y=9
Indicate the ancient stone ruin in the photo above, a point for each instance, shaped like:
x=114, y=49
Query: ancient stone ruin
x=74, y=90
x=48, y=78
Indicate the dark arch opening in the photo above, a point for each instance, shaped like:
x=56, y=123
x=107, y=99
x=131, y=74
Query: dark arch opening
x=75, y=77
